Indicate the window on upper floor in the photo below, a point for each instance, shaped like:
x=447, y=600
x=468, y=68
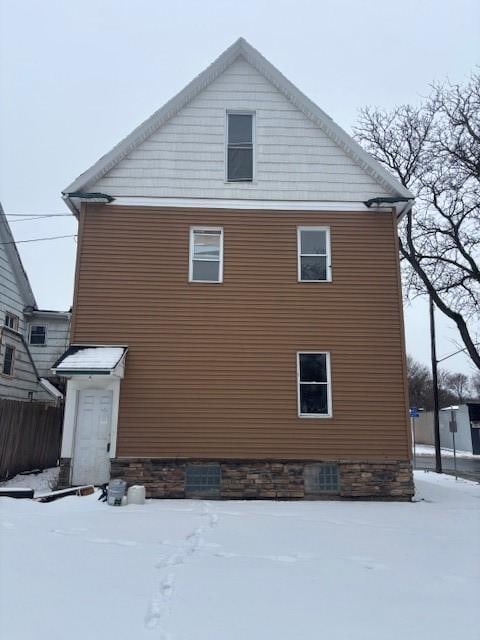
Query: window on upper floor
x=314, y=260
x=8, y=360
x=11, y=321
x=206, y=254
x=38, y=334
x=314, y=385
x=240, y=141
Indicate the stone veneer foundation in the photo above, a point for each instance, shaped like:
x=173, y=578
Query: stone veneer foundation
x=259, y=479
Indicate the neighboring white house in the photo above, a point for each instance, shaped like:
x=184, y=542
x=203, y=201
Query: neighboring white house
x=48, y=336
x=30, y=339
x=467, y=436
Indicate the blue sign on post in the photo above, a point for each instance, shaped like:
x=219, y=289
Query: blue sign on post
x=414, y=413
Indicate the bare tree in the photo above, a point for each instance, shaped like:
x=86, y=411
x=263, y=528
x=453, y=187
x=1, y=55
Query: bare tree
x=475, y=384
x=420, y=386
x=434, y=150
x=458, y=385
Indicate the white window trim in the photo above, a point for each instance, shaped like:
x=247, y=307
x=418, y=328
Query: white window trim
x=191, y=255
x=328, y=254
x=16, y=321
x=37, y=324
x=239, y=112
x=328, y=383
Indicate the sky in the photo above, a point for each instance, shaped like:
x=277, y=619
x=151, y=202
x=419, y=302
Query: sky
x=76, y=76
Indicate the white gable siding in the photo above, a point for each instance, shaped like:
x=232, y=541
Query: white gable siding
x=295, y=159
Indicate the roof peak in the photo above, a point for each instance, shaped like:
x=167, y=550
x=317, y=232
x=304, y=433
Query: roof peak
x=238, y=48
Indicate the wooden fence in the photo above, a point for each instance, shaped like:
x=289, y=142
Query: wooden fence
x=30, y=436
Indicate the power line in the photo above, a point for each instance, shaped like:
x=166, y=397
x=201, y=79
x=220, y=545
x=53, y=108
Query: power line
x=30, y=218
x=73, y=235
x=40, y=215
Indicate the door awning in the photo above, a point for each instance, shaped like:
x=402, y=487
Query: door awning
x=91, y=360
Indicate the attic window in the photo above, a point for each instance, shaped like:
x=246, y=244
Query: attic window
x=239, y=147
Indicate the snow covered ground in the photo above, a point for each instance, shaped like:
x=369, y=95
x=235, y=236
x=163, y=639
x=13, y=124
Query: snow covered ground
x=429, y=450
x=195, y=570
x=42, y=482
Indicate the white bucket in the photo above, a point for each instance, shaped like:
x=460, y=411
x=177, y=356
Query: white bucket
x=136, y=494
x=115, y=492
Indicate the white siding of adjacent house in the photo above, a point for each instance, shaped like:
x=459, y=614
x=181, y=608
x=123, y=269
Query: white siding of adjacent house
x=56, y=343
x=295, y=159
x=11, y=298
x=24, y=379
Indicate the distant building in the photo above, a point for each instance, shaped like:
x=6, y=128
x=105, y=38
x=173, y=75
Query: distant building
x=467, y=436
x=30, y=339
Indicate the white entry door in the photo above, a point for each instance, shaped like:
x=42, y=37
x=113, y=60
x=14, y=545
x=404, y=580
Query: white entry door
x=91, y=460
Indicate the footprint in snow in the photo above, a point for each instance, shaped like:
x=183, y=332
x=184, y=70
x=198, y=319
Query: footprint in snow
x=122, y=543
x=369, y=563
x=158, y=603
x=171, y=561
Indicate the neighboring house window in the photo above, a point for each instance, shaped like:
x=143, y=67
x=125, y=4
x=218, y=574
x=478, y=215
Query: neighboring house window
x=206, y=254
x=11, y=320
x=8, y=359
x=314, y=385
x=38, y=334
x=240, y=147
x=314, y=254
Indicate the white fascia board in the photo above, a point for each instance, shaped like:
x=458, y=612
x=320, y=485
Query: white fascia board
x=256, y=205
x=239, y=48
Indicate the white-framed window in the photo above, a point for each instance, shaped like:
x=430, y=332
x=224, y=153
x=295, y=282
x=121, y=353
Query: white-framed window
x=11, y=321
x=8, y=360
x=314, y=385
x=38, y=334
x=206, y=254
x=314, y=256
x=240, y=145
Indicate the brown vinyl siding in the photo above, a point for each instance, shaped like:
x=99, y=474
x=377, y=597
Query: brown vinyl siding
x=211, y=368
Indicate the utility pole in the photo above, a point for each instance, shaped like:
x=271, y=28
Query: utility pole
x=436, y=407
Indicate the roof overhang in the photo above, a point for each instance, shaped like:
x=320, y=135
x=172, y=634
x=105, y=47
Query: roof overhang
x=91, y=360
x=46, y=313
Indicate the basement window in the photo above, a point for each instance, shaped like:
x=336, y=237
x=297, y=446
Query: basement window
x=202, y=480
x=8, y=360
x=38, y=334
x=314, y=254
x=314, y=386
x=321, y=478
x=206, y=254
x=240, y=147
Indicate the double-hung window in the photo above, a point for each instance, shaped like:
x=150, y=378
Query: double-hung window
x=206, y=254
x=240, y=147
x=11, y=321
x=314, y=385
x=38, y=334
x=314, y=254
x=8, y=358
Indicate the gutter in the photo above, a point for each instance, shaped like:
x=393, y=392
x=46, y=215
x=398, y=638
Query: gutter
x=75, y=198
x=401, y=211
